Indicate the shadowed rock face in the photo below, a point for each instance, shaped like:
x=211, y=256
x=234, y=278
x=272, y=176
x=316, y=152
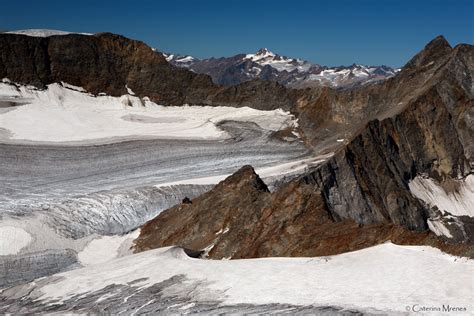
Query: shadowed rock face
x=360, y=196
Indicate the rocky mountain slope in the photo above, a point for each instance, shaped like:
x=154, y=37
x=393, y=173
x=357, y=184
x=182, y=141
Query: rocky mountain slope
x=112, y=64
x=240, y=218
x=423, y=129
x=291, y=72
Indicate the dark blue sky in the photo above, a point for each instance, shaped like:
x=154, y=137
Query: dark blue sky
x=326, y=32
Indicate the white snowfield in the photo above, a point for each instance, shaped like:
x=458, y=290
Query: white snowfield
x=385, y=278
x=457, y=203
x=12, y=240
x=64, y=113
x=105, y=248
x=43, y=32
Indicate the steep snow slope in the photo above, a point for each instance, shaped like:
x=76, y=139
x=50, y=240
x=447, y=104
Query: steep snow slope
x=448, y=204
x=382, y=279
x=458, y=202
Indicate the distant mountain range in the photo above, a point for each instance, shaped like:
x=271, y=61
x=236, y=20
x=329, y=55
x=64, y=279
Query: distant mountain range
x=291, y=72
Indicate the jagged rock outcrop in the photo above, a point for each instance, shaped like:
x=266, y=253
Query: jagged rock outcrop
x=361, y=195
x=109, y=63
x=368, y=180
x=239, y=218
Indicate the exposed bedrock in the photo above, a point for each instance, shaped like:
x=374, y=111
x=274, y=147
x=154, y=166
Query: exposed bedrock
x=239, y=218
x=368, y=180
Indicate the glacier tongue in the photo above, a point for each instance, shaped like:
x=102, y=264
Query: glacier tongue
x=58, y=235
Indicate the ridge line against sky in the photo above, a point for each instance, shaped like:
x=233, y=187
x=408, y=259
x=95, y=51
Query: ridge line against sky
x=330, y=33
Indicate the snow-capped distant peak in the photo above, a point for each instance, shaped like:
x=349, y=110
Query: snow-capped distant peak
x=180, y=60
x=262, y=53
x=43, y=32
x=168, y=57
x=185, y=59
x=280, y=63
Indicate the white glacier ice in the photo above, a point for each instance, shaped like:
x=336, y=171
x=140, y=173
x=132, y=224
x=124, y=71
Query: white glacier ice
x=385, y=279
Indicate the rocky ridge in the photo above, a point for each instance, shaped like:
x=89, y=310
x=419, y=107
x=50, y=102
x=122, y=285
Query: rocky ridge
x=112, y=64
x=423, y=129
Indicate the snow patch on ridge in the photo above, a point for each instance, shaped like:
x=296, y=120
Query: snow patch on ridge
x=439, y=228
x=43, y=32
x=12, y=240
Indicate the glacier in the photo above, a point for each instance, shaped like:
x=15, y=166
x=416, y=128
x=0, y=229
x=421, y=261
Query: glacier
x=81, y=172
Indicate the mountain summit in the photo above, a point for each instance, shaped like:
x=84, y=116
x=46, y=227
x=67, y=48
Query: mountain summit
x=264, y=52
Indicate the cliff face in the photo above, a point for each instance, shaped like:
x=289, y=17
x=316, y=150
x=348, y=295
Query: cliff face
x=360, y=196
x=108, y=63
x=368, y=179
